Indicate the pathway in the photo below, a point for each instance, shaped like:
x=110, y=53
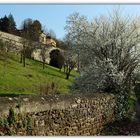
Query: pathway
x=134, y=127
x=128, y=128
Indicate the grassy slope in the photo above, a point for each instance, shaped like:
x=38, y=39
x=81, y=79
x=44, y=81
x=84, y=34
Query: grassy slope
x=15, y=79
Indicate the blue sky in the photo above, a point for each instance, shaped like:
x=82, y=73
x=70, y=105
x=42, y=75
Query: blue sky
x=54, y=16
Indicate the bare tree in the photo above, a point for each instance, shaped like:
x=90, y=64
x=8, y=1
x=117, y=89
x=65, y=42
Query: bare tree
x=70, y=65
x=5, y=46
x=70, y=59
x=30, y=34
x=23, y=54
x=43, y=55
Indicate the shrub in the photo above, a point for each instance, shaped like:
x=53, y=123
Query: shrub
x=11, y=118
x=48, y=89
x=29, y=125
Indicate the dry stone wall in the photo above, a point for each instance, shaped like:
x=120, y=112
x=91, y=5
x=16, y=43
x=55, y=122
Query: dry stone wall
x=63, y=115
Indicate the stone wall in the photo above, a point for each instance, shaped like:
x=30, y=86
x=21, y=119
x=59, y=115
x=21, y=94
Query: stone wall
x=64, y=115
x=16, y=46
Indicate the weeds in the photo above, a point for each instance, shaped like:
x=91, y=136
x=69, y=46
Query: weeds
x=49, y=89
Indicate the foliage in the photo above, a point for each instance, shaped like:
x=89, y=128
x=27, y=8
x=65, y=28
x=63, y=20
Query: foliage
x=117, y=128
x=108, y=54
x=31, y=29
x=29, y=125
x=132, y=103
x=69, y=66
x=7, y=24
x=43, y=55
x=4, y=24
x=14, y=123
x=49, y=89
x=2, y=45
x=30, y=34
x=4, y=48
x=70, y=59
x=61, y=44
x=11, y=117
x=12, y=24
x=107, y=51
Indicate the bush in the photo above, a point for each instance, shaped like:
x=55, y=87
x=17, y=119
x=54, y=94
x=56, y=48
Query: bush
x=57, y=59
x=11, y=118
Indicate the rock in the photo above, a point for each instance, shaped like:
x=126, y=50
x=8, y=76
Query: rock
x=10, y=99
x=74, y=105
x=78, y=101
x=26, y=99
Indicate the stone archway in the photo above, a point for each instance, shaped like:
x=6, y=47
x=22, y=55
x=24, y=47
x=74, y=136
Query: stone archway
x=36, y=54
x=48, y=51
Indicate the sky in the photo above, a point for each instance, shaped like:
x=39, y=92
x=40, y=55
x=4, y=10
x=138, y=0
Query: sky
x=54, y=16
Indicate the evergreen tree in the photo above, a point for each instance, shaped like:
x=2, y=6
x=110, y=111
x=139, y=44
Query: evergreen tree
x=4, y=24
x=12, y=24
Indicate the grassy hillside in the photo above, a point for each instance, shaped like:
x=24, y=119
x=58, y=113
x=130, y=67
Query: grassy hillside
x=16, y=79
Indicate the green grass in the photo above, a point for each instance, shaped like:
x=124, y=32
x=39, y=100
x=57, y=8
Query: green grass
x=16, y=79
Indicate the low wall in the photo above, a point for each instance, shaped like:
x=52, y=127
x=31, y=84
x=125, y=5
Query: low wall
x=64, y=115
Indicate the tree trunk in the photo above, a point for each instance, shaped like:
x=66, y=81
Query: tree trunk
x=64, y=69
x=24, y=57
x=24, y=60
x=21, y=57
x=43, y=65
x=67, y=75
x=78, y=68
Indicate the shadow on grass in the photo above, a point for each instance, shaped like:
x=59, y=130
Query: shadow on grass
x=54, y=69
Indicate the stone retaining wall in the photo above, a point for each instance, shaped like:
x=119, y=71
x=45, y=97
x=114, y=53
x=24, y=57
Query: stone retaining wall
x=64, y=115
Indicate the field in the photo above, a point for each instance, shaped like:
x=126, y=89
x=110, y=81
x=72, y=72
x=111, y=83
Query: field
x=17, y=80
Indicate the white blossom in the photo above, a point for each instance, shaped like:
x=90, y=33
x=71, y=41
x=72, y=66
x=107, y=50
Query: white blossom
x=105, y=51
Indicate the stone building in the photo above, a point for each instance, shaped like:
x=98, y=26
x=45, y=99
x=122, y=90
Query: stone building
x=16, y=44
